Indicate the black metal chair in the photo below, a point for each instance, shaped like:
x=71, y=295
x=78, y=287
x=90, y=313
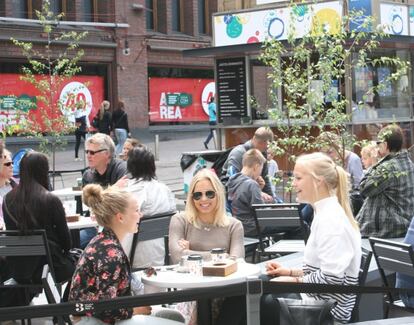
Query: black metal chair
x=283, y=217
x=152, y=227
x=15, y=245
x=51, y=291
x=393, y=257
x=362, y=277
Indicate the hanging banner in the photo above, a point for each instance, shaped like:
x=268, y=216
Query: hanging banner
x=19, y=101
x=179, y=99
x=363, y=6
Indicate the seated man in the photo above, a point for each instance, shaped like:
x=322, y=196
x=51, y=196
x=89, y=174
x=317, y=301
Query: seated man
x=388, y=189
x=104, y=169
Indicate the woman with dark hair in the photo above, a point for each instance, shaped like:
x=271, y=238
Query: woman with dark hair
x=153, y=198
x=31, y=206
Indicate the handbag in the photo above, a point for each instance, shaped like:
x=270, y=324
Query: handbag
x=305, y=312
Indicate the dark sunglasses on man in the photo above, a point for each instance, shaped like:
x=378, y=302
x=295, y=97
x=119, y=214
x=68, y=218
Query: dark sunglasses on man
x=92, y=152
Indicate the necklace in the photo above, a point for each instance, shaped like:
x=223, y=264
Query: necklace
x=206, y=228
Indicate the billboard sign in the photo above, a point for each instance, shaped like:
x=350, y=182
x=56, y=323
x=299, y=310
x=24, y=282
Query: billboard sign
x=179, y=99
x=18, y=98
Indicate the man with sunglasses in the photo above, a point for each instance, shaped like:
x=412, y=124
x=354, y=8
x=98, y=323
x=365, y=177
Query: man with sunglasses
x=104, y=169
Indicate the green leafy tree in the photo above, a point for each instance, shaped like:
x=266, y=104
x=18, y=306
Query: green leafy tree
x=48, y=67
x=312, y=72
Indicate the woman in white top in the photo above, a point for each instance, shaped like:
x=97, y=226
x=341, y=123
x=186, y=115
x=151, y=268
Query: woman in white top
x=333, y=251
x=153, y=198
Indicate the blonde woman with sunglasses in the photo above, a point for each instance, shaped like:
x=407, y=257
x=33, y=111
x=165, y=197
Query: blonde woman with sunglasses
x=204, y=224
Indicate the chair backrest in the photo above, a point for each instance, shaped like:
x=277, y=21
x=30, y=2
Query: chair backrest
x=151, y=227
x=393, y=257
x=366, y=257
x=15, y=244
x=51, y=291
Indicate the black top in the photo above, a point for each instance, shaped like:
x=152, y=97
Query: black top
x=116, y=169
x=120, y=120
x=47, y=213
x=80, y=124
x=104, y=124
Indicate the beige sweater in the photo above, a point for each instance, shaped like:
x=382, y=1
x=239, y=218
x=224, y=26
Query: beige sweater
x=204, y=239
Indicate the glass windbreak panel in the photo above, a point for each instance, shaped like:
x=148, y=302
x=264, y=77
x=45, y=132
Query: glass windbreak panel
x=389, y=102
x=149, y=7
x=261, y=99
x=202, y=16
x=370, y=131
x=176, y=10
x=87, y=10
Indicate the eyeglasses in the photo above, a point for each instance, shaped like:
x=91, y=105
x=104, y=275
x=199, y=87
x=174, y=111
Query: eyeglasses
x=92, y=153
x=150, y=271
x=8, y=164
x=209, y=194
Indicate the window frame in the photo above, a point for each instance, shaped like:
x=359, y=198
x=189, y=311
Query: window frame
x=206, y=18
x=154, y=14
x=180, y=29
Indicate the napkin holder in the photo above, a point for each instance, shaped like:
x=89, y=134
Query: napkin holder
x=73, y=218
x=223, y=268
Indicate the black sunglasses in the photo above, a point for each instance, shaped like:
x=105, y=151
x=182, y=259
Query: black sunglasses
x=209, y=194
x=92, y=153
x=8, y=164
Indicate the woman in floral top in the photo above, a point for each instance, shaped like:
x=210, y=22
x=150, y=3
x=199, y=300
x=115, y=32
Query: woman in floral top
x=103, y=271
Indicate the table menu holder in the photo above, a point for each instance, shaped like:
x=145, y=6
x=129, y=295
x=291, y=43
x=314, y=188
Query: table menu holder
x=224, y=268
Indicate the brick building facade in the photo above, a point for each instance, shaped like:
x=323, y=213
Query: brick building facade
x=125, y=39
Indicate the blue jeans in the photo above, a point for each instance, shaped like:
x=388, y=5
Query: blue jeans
x=121, y=136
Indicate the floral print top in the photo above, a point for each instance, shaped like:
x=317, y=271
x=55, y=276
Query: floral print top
x=103, y=272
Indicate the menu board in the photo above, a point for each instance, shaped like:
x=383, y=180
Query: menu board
x=231, y=88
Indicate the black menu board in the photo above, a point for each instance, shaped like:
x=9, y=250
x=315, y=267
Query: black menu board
x=231, y=89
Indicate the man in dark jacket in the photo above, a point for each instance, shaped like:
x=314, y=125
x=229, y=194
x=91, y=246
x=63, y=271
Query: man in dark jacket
x=261, y=139
x=104, y=169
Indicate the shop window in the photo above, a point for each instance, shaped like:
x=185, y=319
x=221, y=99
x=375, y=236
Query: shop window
x=30, y=7
x=177, y=15
x=389, y=102
x=151, y=14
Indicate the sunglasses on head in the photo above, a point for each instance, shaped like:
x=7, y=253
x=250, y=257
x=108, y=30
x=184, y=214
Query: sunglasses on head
x=209, y=194
x=92, y=153
x=8, y=164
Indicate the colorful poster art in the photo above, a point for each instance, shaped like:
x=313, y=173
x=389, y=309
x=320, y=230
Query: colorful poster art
x=394, y=18
x=180, y=99
x=259, y=25
x=411, y=17
x=19, y=101
x=363, y=6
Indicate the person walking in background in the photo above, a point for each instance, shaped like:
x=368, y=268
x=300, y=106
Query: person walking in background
x=82, y=124
x=120, y=126
x=212, y=114
x=103, y=120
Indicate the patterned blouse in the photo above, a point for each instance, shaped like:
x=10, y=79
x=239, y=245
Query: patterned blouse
x=103, y=272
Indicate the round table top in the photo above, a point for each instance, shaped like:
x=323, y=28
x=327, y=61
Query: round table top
x=84, y=222
x=167, y=278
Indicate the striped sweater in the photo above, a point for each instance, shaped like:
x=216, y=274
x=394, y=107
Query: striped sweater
x=333, y=255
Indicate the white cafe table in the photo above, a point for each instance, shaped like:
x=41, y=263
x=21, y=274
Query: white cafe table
x=68, y=191
x=167, y=278
x=76, y=226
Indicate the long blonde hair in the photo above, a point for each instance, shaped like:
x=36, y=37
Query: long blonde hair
x=191, y=212
x=336, y=178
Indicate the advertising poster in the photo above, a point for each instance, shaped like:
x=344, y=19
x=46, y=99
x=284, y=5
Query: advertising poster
x=363, y=6
x=18, y=99
x=259, y=25
x=179, y=99
x=394, y=18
